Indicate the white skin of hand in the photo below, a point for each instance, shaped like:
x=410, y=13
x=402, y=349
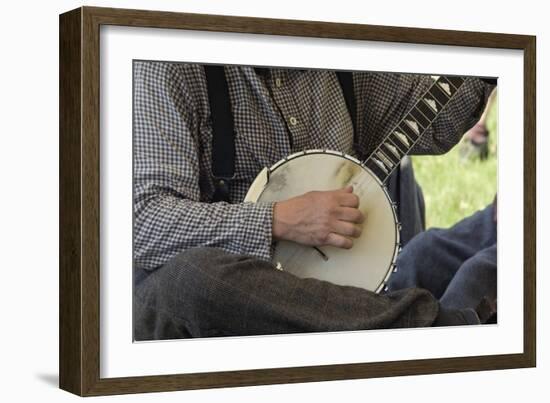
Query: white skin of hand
x=319, y=218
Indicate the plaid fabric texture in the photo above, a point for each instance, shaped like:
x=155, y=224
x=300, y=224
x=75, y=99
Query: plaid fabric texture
x=276, y=112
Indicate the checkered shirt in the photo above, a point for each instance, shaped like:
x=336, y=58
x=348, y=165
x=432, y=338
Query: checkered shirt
x=276, y=112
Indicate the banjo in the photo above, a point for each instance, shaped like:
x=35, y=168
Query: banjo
x=371, y=261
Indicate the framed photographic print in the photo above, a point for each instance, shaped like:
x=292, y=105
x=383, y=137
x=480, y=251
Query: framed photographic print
x=249, y=201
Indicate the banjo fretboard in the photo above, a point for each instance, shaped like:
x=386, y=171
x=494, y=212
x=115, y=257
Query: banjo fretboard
x=398, y=143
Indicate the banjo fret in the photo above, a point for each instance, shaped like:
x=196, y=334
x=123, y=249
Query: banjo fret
x=392, y=149
x=439, y=95
x=381, y=165
x=428, y=107
x=455, y=82
x=446, y=87
x=400, y=147
x=374, y=167
x=384, y=158
x=412, y=132
x=404, y=140
x=417, y=114
x=414, y=125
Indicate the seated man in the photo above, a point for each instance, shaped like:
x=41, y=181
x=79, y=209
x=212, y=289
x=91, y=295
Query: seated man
x=203, y=266
x=457, y=265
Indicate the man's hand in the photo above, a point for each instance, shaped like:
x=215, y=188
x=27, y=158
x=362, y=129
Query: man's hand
x=319, y=218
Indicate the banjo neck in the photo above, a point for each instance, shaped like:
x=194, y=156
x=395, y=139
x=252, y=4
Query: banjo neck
x=406, y=134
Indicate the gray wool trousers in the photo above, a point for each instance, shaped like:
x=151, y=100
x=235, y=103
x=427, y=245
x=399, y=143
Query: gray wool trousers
x=206, y=292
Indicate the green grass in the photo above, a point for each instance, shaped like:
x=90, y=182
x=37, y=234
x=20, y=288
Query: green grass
x=455, y=188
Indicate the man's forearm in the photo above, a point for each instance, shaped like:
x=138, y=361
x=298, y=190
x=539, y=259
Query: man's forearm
x=167, y=225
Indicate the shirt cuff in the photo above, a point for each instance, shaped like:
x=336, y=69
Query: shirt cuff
x=260, y=221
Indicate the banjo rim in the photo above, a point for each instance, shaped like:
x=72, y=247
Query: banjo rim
x=397, y=225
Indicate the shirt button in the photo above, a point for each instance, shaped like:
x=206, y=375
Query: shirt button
x=278, y=82
x=293, y=121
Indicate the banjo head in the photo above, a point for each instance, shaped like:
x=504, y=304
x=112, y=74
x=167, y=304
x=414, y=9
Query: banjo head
x=371, y=260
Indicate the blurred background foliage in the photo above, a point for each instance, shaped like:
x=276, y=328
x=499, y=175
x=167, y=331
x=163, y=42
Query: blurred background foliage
x=455, y=185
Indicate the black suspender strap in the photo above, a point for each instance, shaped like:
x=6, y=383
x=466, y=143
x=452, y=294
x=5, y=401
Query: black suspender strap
x=223, y=136
x=346, y=82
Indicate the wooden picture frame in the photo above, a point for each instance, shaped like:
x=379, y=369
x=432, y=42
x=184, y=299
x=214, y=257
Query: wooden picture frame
x=79, y=201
